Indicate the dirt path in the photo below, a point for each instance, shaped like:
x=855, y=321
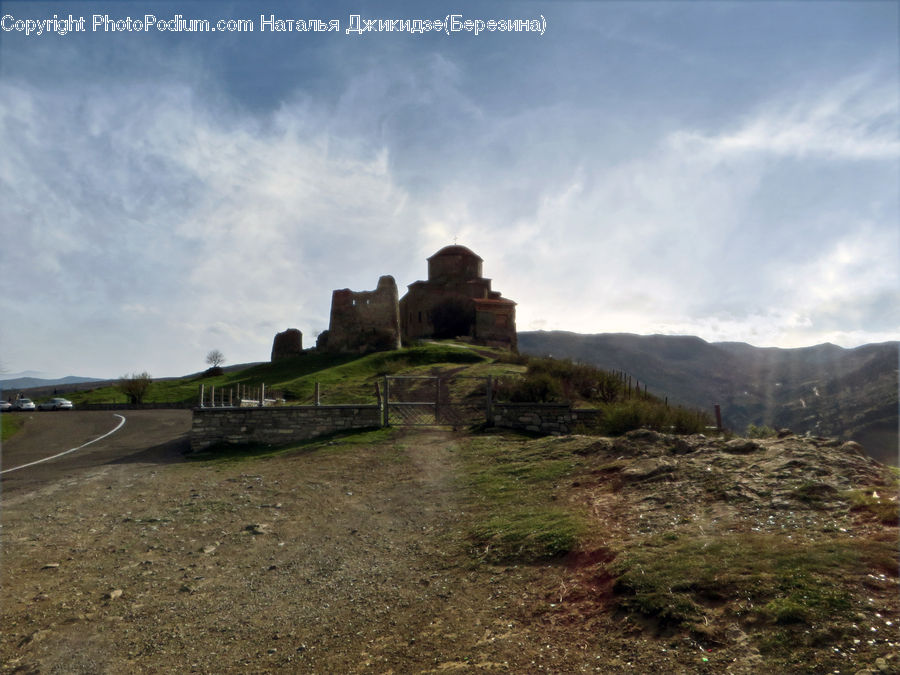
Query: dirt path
x=347, y=558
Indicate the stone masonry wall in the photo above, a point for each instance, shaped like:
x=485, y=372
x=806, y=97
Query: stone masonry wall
x=364, y=321
x=544, y=418
x=277, y=426
x=287, y=344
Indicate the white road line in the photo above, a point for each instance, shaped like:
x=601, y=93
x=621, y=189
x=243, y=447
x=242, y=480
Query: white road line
x=47, y=459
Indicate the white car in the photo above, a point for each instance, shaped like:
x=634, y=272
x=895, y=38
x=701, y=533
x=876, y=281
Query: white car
x=5, y=406
x=23, y=404
x=55, y=404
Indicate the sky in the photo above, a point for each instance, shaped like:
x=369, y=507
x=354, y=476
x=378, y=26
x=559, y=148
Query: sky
x=729, y=170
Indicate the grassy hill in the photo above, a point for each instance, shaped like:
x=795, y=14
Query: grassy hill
x=342, y=378
x=353, y=379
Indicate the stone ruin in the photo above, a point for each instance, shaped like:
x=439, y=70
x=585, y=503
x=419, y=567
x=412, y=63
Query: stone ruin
x=287, y=344
x=363, y=321
x=455, y=302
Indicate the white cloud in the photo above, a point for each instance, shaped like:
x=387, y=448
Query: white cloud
x=160, y=205
x=856, y=119
x=162, y=216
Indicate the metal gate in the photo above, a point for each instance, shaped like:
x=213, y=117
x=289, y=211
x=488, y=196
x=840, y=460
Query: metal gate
x=456, y=401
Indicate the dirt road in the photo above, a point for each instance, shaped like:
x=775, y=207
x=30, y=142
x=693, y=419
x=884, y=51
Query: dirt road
x=346, y=558
x=355, y=554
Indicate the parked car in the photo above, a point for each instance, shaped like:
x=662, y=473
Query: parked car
x=55, y=404
x=5, y=406
x=23, y=404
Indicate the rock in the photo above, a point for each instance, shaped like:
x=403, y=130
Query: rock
x=646, y=469
x=681, y=447
x=853, y=448
x=208, y=549
x=114, y=594
x=258, y=528
x=888, y=665
x=34, y=637
x=50, y=566
x=643, y=435
x=784, y=433
x=287, y=344
x=741, y=446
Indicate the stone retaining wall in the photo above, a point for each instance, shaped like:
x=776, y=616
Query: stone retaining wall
x=277, y=426
x=133, y=406
x=544, y=418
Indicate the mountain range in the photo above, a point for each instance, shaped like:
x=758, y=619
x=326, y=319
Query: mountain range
x=825, y=390
x=24, y=381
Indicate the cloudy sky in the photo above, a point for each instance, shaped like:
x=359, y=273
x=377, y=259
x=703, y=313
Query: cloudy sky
x=725, y=169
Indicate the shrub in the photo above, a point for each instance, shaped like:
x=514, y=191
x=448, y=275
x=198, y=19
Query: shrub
x=763, y=431
x=135, y=386
x=550, y=380
x=533, y=388
x=624, y=416
x=513, y=358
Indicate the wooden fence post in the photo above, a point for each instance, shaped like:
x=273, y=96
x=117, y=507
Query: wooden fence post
x=387, y=402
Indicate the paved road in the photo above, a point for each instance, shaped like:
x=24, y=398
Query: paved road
x=147, y=437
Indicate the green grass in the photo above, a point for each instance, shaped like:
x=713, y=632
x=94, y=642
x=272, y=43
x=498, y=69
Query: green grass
x=512, y=482
x=762, y=431
x=675, y=578
x=342, y=378
x=9, y=425
x=875, y=503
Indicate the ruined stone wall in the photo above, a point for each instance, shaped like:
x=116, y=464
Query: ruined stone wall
x=363, y=321
x=287, y=344
x=277, y=426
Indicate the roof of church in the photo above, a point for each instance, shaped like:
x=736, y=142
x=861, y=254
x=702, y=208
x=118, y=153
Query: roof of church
x=456, y=250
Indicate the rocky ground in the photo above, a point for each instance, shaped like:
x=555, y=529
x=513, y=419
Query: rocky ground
x=356, y=555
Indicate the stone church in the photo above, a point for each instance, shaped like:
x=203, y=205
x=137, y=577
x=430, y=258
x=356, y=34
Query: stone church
x=455, y=302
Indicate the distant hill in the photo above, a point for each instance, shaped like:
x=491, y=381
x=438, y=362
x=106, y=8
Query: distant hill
x=17, y=383
x=826, y=390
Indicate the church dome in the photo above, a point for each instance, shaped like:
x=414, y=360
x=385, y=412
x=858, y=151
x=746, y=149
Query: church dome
x=454, y=262
x=456, y=250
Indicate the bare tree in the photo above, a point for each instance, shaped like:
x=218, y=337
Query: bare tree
x=215, y=358
x=135, y=386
